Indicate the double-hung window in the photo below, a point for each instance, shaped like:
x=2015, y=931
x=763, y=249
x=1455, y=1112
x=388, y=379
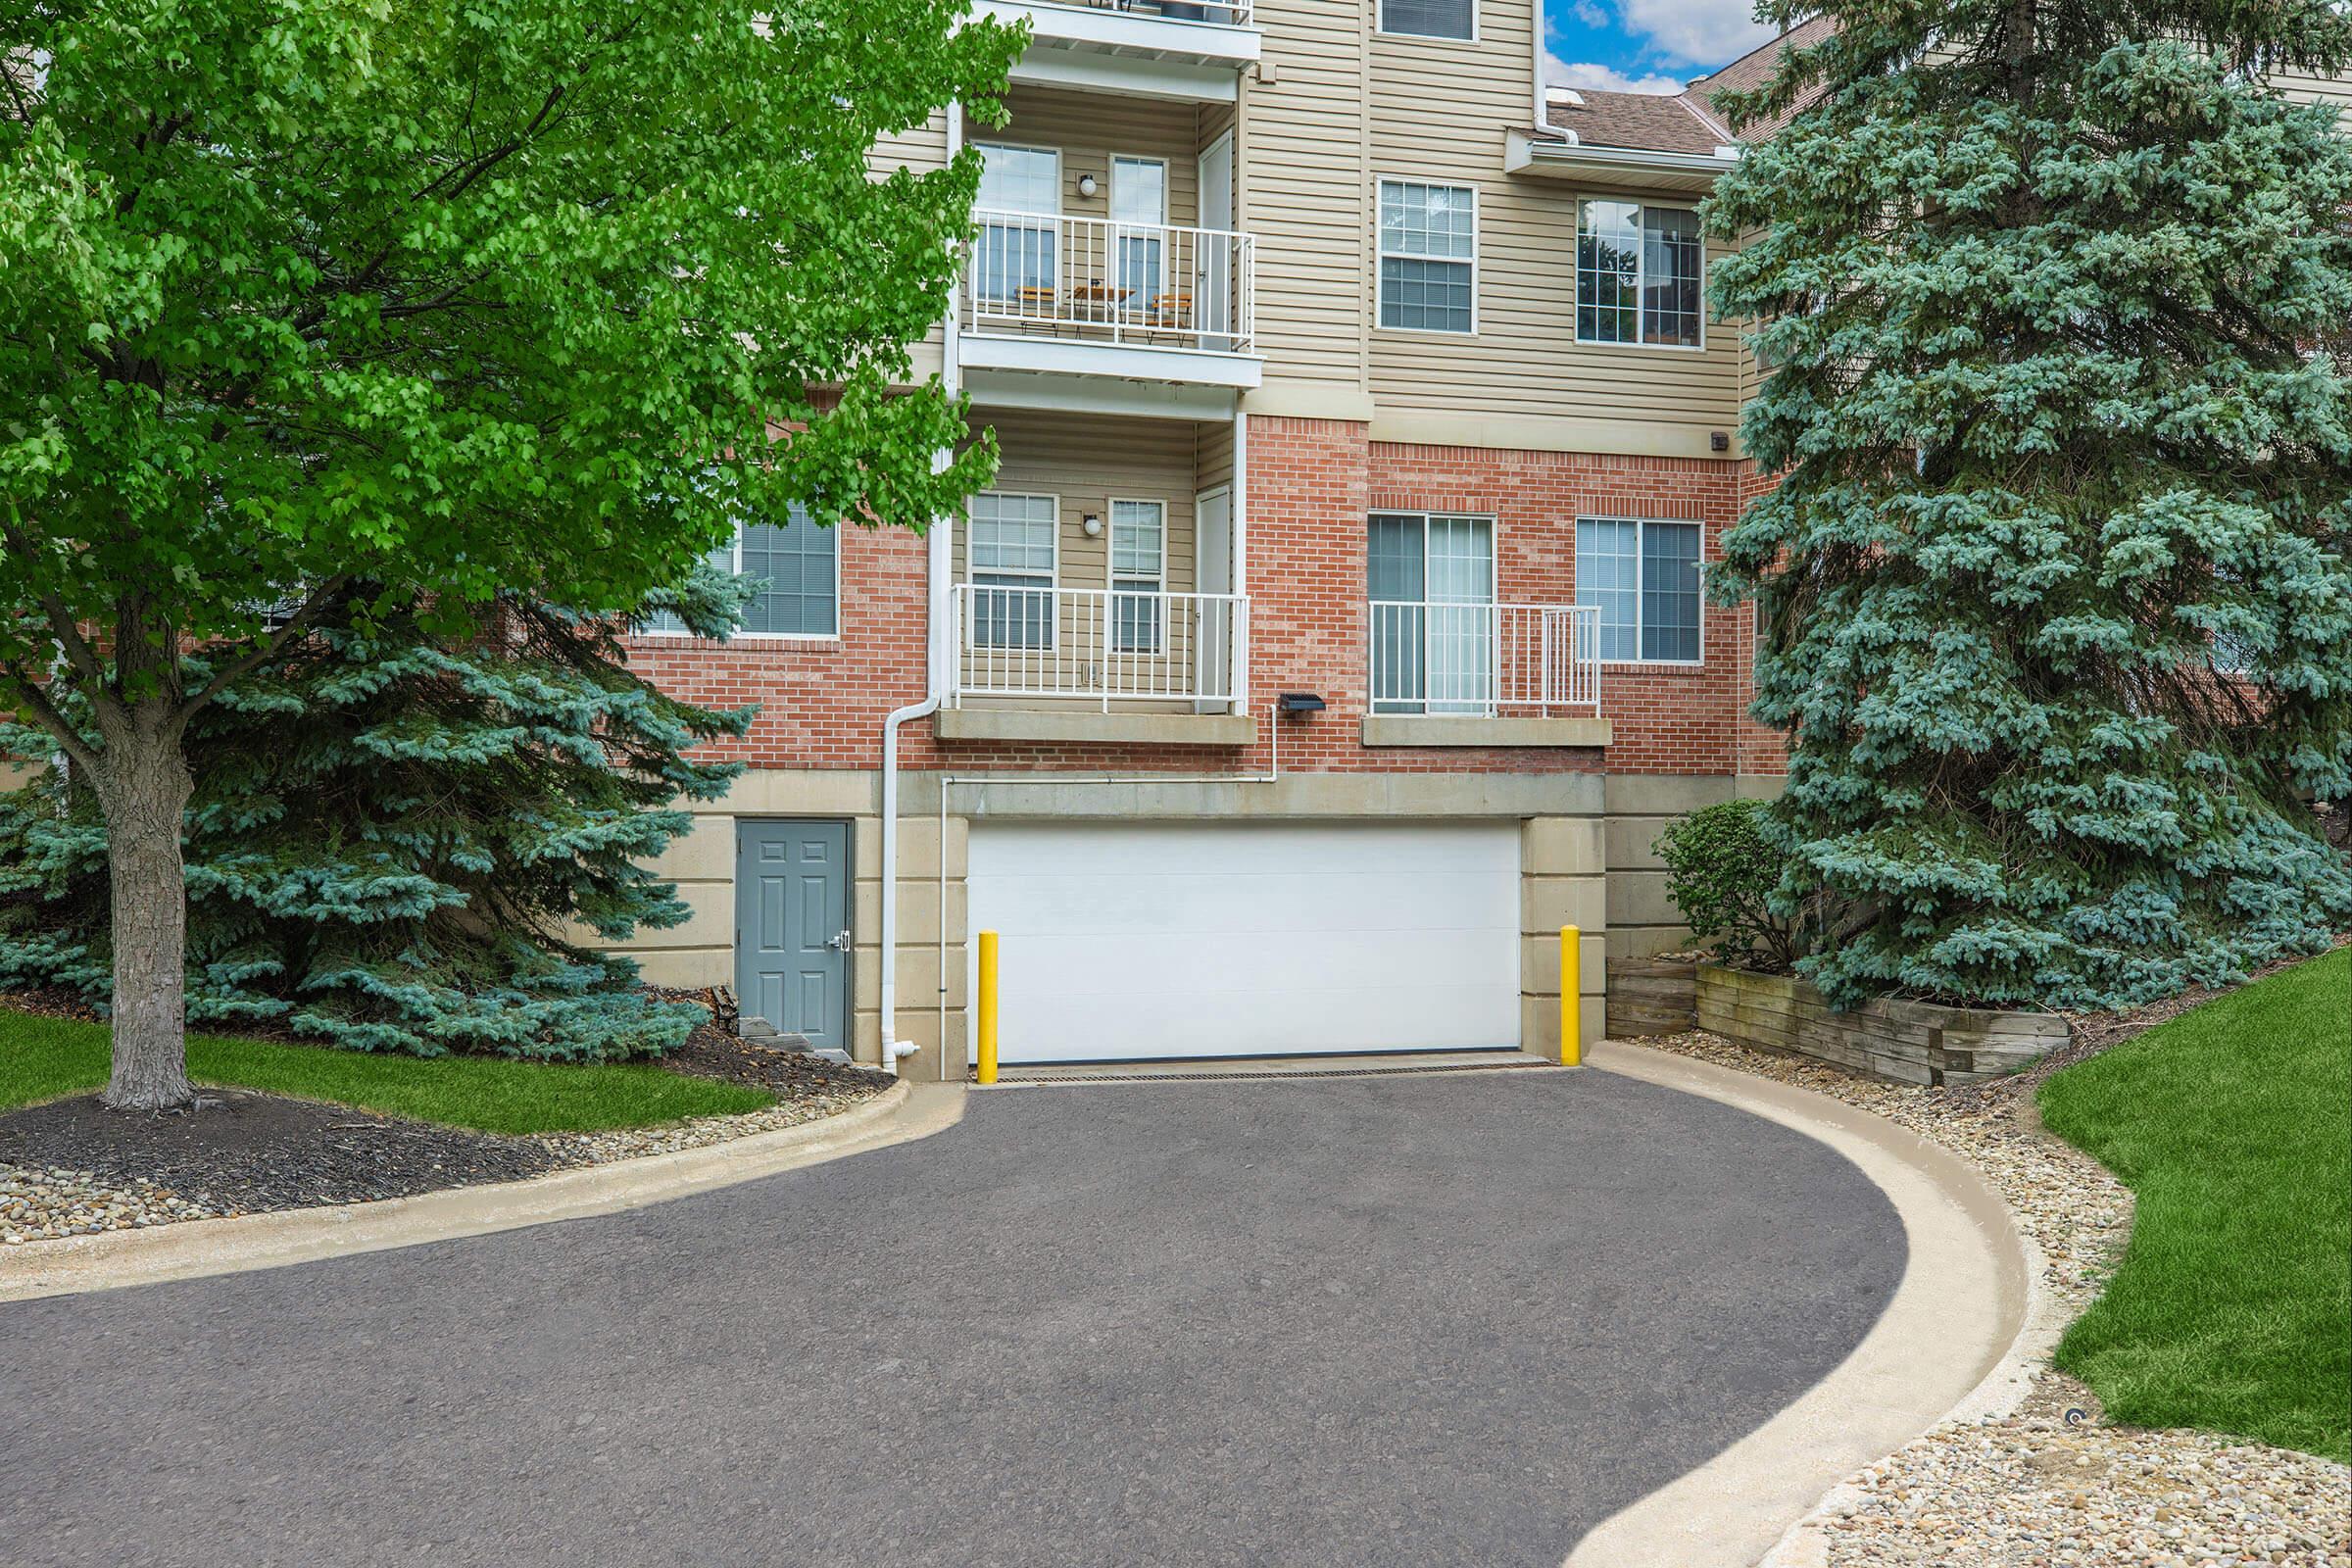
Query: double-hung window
x=1011, y=549
x=1428, y=257
x=799, y=568
x=1638, y=275
x=1643, y=576
x=1139, y=554
x=1430, y=19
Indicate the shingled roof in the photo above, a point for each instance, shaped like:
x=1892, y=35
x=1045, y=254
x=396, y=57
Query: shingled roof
x=1688, y=121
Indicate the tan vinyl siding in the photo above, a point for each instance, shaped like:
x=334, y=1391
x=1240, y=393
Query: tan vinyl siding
x=2316, y=90
x=920, y=151
x=1304, y=170
x=1438, y=113
x=1087, y=463
x=1089, y=130
x=1215, y=455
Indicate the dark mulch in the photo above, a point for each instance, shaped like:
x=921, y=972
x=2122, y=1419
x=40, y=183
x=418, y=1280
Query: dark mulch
x=788, y=1074
x=242, y=1150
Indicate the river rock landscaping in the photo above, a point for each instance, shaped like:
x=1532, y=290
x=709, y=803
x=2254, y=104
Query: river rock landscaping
x=69, y=1168
x=2051, y=1483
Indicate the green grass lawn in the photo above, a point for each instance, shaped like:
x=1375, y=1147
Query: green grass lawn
x=2233, y=1124
x=42, y=1058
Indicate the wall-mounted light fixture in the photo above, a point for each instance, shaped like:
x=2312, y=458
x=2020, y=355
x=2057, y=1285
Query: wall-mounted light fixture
x=1092, y=525
x=1297, y=704
x=1088, y=185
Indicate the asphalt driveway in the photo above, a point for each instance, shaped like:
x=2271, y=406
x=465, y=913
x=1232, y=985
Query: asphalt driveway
x=1445, y=1319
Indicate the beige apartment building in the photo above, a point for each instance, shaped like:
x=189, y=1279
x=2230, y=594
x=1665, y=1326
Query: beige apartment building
x=1332, y=634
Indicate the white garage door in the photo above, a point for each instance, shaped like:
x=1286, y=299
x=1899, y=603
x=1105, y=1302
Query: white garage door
x=1156, y=941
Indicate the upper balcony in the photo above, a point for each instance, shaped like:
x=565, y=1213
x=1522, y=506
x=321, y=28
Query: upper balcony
x=1159, y=303
x=1190, y=50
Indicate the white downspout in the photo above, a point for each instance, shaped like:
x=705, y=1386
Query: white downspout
x=940, y=562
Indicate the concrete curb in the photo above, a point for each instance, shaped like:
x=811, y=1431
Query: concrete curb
x=1957, y=1338
x=198, y=1247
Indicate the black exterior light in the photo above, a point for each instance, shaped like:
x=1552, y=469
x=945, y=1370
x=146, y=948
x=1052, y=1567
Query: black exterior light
x=1299, y=703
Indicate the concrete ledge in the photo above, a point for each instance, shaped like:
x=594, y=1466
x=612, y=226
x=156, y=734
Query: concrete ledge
x=1949, y=1341
x=1417, y=729
x=1127, y=730
x=197, y=1247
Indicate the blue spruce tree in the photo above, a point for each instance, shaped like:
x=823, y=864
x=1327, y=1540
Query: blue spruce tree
x=2056, y=302
x=401, y=837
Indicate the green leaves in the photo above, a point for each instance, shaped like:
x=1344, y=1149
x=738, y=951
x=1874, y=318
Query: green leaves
x=459, y=297
x=2059, y=324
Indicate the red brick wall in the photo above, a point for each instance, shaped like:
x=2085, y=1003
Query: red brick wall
x=1311, y=483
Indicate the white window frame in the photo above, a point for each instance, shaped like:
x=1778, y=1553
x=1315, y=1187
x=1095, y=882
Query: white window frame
x=1641, y=525
x=1641, y=277
x=1052, y=584
x=735, y=565
x=1380, y=256
x=1110, y=571
x=1380, y=30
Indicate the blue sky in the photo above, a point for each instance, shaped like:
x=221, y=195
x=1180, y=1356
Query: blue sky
x=1645, y=45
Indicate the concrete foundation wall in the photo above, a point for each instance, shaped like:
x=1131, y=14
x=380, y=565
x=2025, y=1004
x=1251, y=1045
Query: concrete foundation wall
x=1642, y=920
x=1563, y=877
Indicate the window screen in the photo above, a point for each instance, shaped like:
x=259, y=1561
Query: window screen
x=1639, y=274
x=1430, y=19
x=1013, y=570
x=1428, y=255
x=1643, y=579
x=799, y=568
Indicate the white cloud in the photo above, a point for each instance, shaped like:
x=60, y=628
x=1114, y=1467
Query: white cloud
x=1559, y=73
x=1706, y=34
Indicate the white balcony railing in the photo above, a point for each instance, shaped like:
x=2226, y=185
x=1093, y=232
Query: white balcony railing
x=1089, y=279
x=1100, y=645
x=1486, y=659
x=1226, y=13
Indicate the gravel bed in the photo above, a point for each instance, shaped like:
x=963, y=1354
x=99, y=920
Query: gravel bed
x=69, y=1168
x=2050, y=1484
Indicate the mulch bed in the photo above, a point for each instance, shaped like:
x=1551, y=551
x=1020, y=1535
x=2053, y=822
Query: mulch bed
x=788, y=1074
x=243, y=1152
x=73, y=1167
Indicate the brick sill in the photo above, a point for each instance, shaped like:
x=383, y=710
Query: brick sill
x=1417, y=729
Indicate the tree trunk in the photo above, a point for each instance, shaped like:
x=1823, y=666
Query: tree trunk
x=144, y=795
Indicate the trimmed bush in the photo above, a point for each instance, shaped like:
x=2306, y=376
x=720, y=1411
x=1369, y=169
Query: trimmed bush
x=1723, y=874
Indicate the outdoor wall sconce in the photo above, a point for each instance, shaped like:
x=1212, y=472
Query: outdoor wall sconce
x=1087, y=186
x=1297, y=704
x=1091, y=526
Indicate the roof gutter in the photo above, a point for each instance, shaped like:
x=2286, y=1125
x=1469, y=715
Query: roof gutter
x=1523, y=150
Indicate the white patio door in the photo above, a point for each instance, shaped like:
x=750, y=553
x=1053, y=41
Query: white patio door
x=1215, y=269
x=1017, y=255
x=1138, y=216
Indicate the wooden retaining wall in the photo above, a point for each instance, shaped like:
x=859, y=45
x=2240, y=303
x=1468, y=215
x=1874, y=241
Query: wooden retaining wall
x=1653, y=996
x=1908, y=1042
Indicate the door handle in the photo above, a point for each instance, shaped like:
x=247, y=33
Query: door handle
x=838, y=942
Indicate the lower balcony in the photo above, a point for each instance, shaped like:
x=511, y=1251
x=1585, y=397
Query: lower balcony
x=1484, y=675
x=1096, y=664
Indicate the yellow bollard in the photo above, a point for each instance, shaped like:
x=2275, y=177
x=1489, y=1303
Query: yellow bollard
x=988, y=1006
x=1572, y=1045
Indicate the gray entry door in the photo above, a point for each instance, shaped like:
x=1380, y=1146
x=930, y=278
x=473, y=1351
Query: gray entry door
x=792, y=927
